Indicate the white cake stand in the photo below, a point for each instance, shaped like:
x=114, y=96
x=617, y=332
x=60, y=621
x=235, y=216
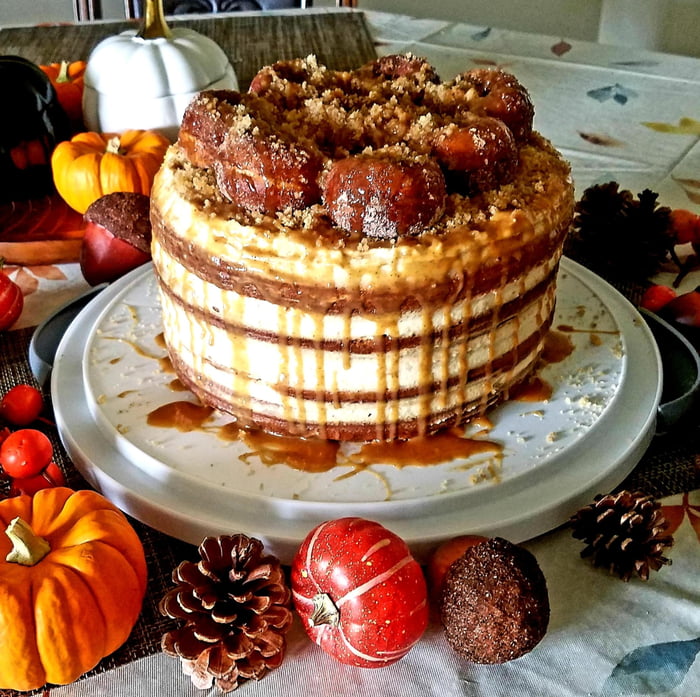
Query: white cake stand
x=555, y=456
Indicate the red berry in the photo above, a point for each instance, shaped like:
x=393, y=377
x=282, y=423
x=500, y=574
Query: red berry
x=21, y=405
x=685, y=226
x=685, y=309
x=25, y=453
x=656, y=297
x=51, y=476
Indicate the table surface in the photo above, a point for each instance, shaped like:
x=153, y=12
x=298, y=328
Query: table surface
x=616, y=114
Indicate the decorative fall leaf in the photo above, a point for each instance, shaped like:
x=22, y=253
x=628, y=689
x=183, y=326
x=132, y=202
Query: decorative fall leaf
x=481, y=35
x=561, y=47
x=49, y=272
x=485, y=61
x=26, y=281
x=652, y=669
x=676, y=514
x=617, y=92
x=601, y=139
x=685, y=126
x=674, y=517
x=691, y=187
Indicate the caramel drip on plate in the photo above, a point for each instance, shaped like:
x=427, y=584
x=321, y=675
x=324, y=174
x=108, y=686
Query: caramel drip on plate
x=423, y=451
x=308, y=455
x=594, y=334
x=176, y=386
x=533, y=390
x=182, y=415
x=573, y=330
x=557, y=347
x=318, y=455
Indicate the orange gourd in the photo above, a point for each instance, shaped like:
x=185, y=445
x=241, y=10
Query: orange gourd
x=67, y=79
x=62, y=613
x=91, y=165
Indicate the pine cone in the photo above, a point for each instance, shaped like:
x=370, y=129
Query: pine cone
x=619, y=237
x=624, y=532
x=236, y=607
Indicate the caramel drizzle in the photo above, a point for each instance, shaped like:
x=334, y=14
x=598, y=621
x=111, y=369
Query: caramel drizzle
x=316, y=455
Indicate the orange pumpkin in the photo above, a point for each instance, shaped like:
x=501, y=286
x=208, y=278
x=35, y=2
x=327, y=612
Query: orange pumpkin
x=62, y=612
x=91, y=165
x=67, y=79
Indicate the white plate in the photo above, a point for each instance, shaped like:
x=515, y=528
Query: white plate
x=556, y=455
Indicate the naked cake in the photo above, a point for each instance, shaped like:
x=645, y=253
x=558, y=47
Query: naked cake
x=362, y=255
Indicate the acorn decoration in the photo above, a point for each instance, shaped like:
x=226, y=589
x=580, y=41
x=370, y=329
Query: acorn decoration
x=624, y=532
x=235, y=604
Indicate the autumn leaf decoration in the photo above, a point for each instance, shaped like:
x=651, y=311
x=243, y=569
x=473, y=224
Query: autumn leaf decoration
x=675, y=515
x=685, y=126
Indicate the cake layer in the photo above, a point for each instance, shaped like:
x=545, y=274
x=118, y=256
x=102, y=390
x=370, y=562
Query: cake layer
x=310, y=387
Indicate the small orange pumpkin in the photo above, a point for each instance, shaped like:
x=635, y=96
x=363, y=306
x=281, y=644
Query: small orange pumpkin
x=91, y=165
x=67, y=79
x=62, y=612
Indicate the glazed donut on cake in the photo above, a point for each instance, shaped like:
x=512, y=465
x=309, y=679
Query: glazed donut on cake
x=359, y=255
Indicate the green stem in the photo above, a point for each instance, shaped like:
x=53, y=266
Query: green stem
x=63, y=73
x=28, y=548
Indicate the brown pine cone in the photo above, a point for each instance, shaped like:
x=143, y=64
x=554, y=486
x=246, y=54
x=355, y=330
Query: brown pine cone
x=235, y=603
x=624, y=532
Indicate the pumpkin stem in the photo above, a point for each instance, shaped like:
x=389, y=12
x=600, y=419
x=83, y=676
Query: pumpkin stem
x=28, y=548
x=325, y=611
x=63, y=73
x=154, y=25
x=113, y=145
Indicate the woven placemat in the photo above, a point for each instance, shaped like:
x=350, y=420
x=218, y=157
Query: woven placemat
x=339, y=40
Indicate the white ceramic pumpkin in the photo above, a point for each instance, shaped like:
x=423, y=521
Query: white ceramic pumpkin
x=146, y=79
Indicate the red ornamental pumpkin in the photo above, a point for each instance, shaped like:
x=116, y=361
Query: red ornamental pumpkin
x=361, y=595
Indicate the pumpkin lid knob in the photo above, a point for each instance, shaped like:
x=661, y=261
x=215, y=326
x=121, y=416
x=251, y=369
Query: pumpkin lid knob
x=154, y=25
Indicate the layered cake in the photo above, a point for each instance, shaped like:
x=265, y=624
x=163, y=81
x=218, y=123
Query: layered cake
x=361, y=255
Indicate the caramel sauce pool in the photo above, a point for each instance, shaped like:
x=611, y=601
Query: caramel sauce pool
x=317, y=455
x=423, y=450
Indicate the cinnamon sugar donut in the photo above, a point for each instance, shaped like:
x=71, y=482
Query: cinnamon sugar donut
x=359, y=255
x=480, y=149
x=385, y=194
x=492, y=92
